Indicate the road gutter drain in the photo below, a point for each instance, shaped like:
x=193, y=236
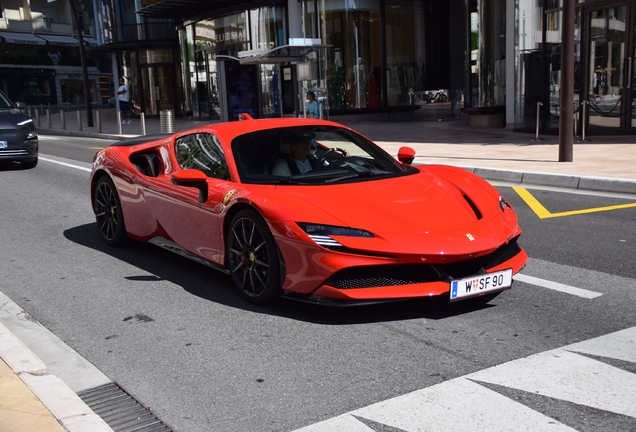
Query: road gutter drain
x=120, y=411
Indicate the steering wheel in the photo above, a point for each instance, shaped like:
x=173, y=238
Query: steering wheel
x=322, y=159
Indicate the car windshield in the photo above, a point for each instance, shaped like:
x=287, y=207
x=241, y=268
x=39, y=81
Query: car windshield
x=311, y=155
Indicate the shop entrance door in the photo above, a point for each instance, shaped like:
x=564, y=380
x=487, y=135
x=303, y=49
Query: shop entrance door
x=157, y=89
x=610, y=72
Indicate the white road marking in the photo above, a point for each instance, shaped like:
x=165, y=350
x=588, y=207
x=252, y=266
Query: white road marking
x=556, y=286
x=620, y=345
x=65, y=164
x=568, y=376
x=462, y=404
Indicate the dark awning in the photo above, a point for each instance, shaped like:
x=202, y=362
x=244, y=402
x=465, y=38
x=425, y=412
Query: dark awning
x=192, y=9
x=61, y=40
x=21, y=38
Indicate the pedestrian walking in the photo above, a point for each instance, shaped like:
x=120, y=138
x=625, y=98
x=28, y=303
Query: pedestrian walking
x=124, y=104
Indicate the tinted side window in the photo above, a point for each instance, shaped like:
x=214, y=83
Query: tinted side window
x=202, y=151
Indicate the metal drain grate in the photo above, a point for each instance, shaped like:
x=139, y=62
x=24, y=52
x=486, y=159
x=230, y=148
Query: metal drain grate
x=120, y=411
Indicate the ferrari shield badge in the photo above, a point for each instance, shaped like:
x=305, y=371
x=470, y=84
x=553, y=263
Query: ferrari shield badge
x=228, y=196
x=470, y=237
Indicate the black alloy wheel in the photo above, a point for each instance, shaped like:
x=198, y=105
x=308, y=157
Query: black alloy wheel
x=107, y=208
x=252, y=258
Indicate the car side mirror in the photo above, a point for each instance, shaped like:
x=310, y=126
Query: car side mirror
x=192, y=178
x=406, y=155
x=21, y=105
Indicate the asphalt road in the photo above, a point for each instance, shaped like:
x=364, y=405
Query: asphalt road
x=176, y=336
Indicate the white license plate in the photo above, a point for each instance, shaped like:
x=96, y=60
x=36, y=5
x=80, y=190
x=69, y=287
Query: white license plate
x=4, y=144
x=480, y=284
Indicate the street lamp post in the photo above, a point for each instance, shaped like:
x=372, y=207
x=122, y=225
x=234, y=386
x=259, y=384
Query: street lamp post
x=87, y=92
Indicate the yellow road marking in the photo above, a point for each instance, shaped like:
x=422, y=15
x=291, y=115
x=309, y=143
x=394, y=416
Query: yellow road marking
x=544, y=213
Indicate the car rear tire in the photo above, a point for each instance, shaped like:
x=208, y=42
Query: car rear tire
x=108, y=213
x=252, y=258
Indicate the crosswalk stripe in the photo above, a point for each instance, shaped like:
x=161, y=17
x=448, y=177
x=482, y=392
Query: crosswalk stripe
x=580, y=292
x=620, y=345
x=568, y=376
x=462, y=404
x=457, y=405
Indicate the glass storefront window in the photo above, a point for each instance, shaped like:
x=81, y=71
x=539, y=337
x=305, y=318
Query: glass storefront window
x=354, y=61
x=405, y=50
x=487, y=54
x=529, y=16
x=267, y=28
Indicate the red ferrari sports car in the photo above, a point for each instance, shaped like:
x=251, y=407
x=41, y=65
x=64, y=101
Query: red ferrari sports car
x=310, y=210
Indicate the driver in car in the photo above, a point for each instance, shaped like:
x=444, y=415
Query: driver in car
x=300, y=161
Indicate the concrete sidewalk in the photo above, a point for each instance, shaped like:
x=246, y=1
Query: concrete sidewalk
x=602, y=163
x=33, y=399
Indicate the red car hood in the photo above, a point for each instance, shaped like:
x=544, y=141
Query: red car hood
x=421, y=213
x=415, y=203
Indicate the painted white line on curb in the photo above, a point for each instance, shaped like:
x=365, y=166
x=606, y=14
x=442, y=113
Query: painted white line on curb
x=580, y=292
x=65, y=164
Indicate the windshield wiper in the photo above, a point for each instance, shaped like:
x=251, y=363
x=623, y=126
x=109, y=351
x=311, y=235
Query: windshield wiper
x=360, y=174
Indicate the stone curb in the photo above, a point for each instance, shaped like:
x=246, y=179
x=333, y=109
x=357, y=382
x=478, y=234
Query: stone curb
x=17, y=356
x=72, y=413
x=600, y=184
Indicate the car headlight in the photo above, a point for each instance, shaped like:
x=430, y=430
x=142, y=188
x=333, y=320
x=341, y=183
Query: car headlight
x=321, y=234
x=27, y=121
x=503, y=203
x=32, y=135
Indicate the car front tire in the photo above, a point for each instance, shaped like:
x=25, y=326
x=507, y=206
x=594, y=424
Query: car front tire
x=29, y=164
x=252, y=258
x=108, y=212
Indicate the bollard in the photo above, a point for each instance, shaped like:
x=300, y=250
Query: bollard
x=37, y=117
x=166, y=121
x=98, y=121
x=63, y=119
x=41, y=110
x=539, y=105
x=143, y=123
x=48, y=118
x=79, y=120
x=584, y=106
x=119, y=123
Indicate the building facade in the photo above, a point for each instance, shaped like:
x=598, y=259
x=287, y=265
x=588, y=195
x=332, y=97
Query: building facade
x=40, y=60
x=604, y=72
x=376, y=59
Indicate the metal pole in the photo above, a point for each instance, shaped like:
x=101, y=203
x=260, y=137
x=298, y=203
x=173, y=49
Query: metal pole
x=539, y=105
x=143, y=123
x=79, y=120
x=577, y=117
x=567, y=81
x=37, y=117
x=99, y=122
x=63, y=119
x=584, y=103
x=48, y=118
x=119, y=122
x=87, y=88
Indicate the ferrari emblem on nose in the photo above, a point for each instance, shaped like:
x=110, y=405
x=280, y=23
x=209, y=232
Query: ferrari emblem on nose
x=470, y=237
